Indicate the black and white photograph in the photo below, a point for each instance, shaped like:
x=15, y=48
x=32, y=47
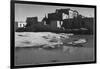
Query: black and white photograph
x=50, y=34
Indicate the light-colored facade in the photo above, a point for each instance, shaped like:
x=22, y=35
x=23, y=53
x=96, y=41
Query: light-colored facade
x=64, y=16
x=71, y=14
x=21, y=24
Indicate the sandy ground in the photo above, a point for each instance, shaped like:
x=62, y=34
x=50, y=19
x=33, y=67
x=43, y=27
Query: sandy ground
x=26, y=52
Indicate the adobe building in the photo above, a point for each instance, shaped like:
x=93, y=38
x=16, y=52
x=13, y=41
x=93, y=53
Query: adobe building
x=62, y=20
x=58, y=18
x=31, y=20
x=19, y=24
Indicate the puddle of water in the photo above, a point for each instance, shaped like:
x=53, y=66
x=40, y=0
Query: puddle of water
x=40, y=55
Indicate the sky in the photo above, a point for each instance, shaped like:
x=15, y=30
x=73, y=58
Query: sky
x=22, y=11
